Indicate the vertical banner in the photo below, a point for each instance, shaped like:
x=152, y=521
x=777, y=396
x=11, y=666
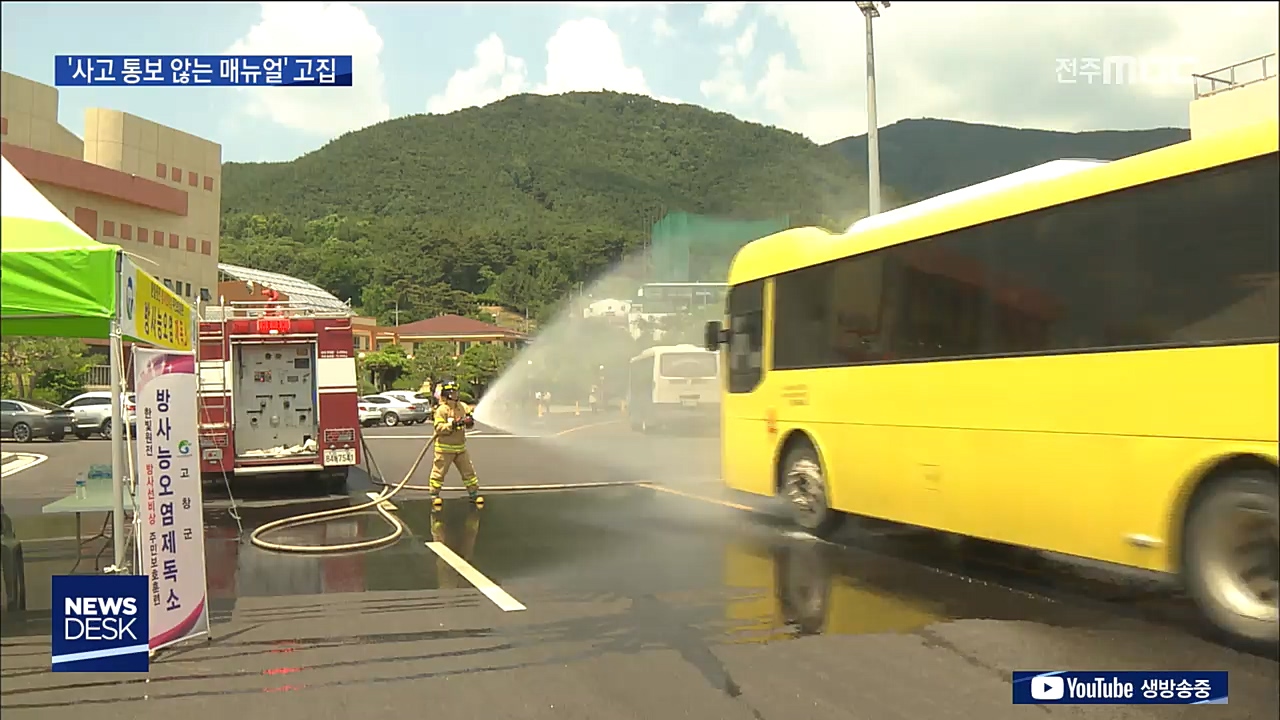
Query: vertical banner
x=169, y=509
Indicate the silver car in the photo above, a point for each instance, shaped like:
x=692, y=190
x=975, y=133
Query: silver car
x=93, y=413
x=395, y=411
x=23, y=420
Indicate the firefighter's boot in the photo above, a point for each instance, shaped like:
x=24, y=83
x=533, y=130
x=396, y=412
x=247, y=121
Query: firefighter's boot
x=436, y=502
x=474, y=494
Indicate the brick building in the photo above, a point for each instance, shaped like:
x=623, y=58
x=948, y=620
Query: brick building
x=151, y=189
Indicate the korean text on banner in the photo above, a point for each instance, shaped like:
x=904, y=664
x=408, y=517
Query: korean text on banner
x=171, y=536
x=152, y=313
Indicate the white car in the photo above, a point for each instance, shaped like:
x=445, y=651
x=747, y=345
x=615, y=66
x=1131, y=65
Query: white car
x=93, y=414
x=409, y=396
x=370, y=413
x=393, y=411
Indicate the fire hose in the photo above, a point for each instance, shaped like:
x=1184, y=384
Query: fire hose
x=377, y=504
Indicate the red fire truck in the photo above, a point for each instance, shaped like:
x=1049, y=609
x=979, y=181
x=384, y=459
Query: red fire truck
x=277, y=392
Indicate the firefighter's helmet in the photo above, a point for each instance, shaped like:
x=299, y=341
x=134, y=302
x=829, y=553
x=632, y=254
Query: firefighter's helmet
x=449, y=389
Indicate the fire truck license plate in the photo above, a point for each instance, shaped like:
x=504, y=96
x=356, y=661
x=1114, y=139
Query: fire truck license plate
x=340, y=456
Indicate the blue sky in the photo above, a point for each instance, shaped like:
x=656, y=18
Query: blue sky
x=796, y=65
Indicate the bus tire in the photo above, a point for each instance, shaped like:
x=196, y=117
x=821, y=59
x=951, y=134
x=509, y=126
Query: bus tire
x=1230, y=557
x=804, y=487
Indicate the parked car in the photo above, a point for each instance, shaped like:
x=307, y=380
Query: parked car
x=370, y=413
x=93, y=413
x=412, y=397
x=23, y=420
x=395, y=411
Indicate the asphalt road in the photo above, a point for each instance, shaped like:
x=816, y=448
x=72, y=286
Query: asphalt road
x=668, y=600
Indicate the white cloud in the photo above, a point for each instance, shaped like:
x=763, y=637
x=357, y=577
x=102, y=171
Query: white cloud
x=634, y=12
x=587, y=55
x=729, y=84
x=494, y=76
x=312, y=28
x=661, y=28
x=722, y=14
x=988, y=62
x=582, y=55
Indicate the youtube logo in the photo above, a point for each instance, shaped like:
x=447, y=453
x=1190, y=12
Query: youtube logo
x=1047, y=687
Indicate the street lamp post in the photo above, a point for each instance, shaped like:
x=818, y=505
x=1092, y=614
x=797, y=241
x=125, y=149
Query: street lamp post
x=870, y=12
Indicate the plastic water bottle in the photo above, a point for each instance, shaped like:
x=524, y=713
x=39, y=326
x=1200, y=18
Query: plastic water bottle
x=81, y=491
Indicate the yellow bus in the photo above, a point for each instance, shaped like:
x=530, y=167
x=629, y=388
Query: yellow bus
x=1084, y=362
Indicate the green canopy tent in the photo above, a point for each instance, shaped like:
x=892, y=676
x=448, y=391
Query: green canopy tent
x=56, y=281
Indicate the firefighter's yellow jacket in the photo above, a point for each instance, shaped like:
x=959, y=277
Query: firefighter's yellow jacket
x=448, y=438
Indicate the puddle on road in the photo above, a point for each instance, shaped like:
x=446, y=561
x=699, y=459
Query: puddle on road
x=734, y=577
x=653, y=571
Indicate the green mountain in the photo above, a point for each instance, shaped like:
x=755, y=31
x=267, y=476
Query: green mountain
x=595, y=158
x=928, y=157
x=520, y=201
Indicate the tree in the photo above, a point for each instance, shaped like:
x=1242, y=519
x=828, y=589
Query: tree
x=53, y=360
x=482, y=363
x=527, y=198
x=434, y=360
x=386, y=366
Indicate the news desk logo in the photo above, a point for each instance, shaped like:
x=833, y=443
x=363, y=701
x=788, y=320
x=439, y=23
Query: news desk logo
x=1120, y=688
x=100, y=623
x=1149, y=70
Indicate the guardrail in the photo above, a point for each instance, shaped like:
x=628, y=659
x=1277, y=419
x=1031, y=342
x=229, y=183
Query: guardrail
x=97, y=376
x=1234, y=76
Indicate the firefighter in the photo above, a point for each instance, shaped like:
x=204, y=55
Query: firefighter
x=452, y=419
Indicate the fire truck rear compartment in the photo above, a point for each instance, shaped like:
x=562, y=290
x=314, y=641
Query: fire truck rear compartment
x=275, y=401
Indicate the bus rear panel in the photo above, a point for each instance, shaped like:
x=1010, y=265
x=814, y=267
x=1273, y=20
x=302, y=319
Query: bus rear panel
x=674, y=386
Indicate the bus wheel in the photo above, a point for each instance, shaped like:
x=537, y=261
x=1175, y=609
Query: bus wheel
x=805, y=488
x=1231, y=558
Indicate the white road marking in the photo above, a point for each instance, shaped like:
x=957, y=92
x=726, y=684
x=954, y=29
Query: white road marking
x=505, y=602
x=477, y=436
x=385, y=505
x=17, y=462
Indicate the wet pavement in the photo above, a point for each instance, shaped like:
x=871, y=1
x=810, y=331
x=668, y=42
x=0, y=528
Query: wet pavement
x=638, y=603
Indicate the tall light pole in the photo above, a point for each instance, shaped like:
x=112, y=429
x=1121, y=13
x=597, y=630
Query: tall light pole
x=870, y=12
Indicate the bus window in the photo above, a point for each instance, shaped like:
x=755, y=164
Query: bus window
x=858, y=318
x=945, y=297
x=1191, y=260
x=746, y=339
x=687, y=365
x=802, y=318
x=830, y=314
x=1174, y=262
